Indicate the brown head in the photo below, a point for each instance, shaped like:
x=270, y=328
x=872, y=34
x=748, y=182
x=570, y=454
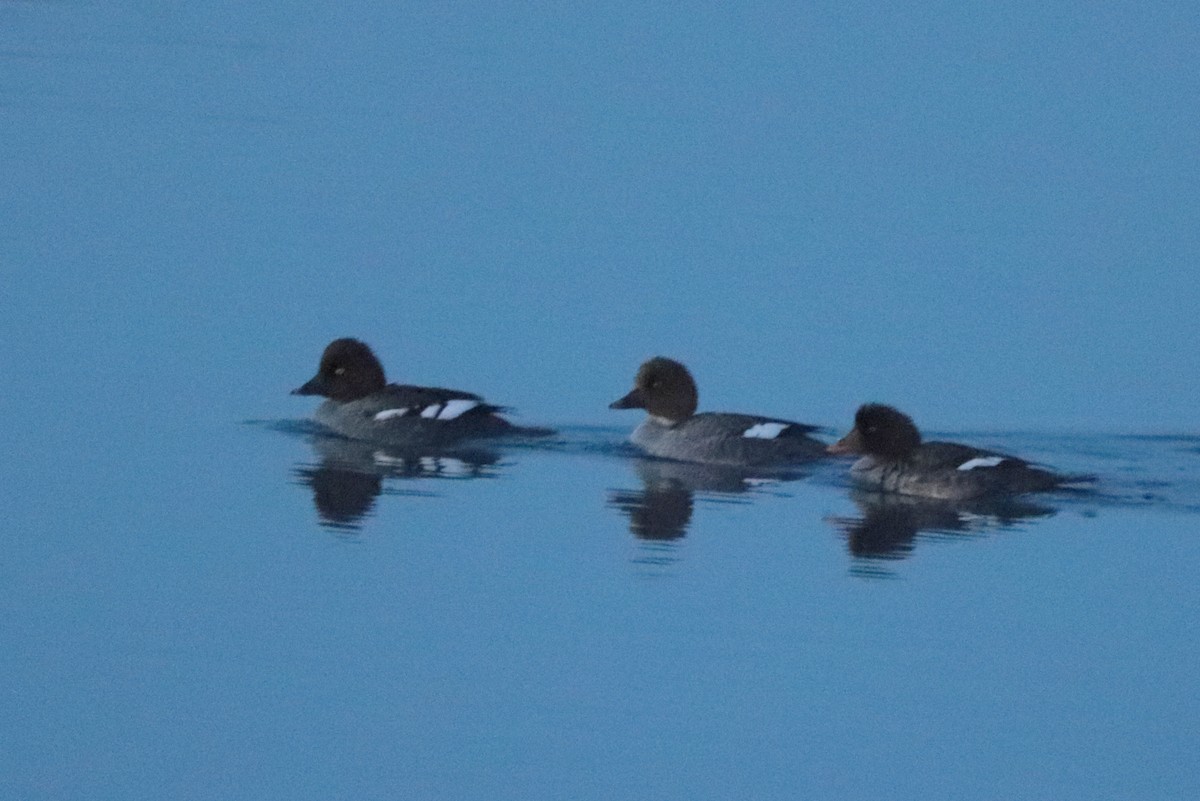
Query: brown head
x=879, y=431
x=664, y=388
x=348, y=371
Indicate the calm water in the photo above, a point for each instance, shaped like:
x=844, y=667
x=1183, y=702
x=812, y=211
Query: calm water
x=986, y=216
x=281, y=615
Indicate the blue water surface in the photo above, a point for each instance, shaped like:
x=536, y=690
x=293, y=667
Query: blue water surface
x=986, y=216
x=518, y=629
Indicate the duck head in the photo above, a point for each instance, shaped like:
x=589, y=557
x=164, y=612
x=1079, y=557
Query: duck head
x=879, y=431
x=348, y=371
x=664, y=388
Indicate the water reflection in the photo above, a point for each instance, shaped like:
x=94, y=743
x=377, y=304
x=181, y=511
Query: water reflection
x=662, y=510
x=889, y=524
x=348, y=475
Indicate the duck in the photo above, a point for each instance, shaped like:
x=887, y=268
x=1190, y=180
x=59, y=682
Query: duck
x=893, y=458
x=673, y=430
x=360, y=404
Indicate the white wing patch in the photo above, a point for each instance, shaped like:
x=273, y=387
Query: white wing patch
x=435, y=411
x=981, y=461
x=454, y=408
x=764, y=430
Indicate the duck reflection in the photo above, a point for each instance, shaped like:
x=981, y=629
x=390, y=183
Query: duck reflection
x=889, y=523
x=662, y=509
x=348, y=475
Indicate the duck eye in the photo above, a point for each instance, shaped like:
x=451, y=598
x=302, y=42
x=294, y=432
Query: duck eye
x=339, y=370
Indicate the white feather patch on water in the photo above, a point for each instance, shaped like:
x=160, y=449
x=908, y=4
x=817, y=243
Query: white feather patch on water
x=454, y=408
x=981, y=461
x=431, y=411
x=388, y=414
x=764, y=430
